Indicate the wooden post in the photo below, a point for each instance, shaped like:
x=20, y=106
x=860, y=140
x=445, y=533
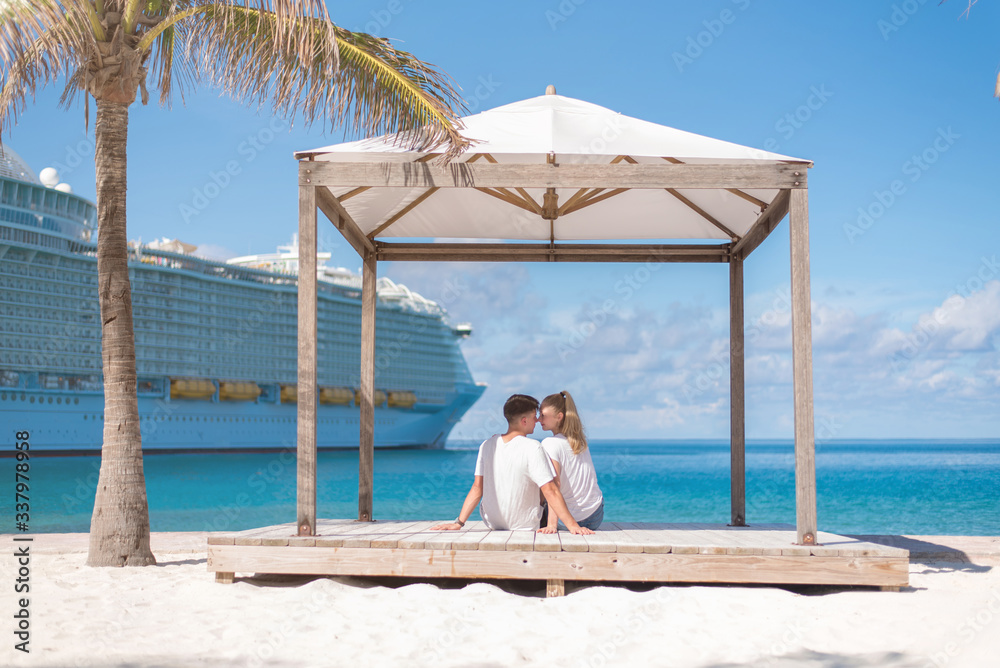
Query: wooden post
x=737, y=394
x=555, y=588
x=805, y=446
x=306, y=407
x=366, y=450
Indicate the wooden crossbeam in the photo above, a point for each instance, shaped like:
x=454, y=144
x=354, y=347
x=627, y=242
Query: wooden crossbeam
x=739, y=193
x=704, y=214
x=402, y=212
x=463, y=175
x=548, y=252
x=508, y=197
x=764, y=225
x=528, y=200
x=338, y=215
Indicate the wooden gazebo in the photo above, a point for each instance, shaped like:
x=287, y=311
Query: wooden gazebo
x=553, y=179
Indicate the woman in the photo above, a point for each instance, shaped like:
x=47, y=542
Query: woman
x=575, y=474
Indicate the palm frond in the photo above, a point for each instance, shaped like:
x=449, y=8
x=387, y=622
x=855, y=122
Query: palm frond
x=40, y=42
x=288, y=52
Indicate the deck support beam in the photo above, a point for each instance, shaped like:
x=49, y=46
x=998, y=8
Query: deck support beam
x=737, y=395
x=805, y=444
x=554, y=588
x=307, y=384
x=366, y=454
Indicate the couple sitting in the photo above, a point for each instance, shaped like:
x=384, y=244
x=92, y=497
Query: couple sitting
x=512, y=468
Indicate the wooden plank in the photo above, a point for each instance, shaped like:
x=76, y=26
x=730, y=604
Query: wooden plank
x=765, y=224
x=623, y=541
x=224, y=578
x=521, y=541
x=469, y=540
x=339, y=216
x=366, y=453
x=495, y=540
x=391, y=540
x=307, y=387
x=601, y=541
x=844, y=546
x=805, y=445
x=378, y=534
x=737, y=394
x=573, y=543
x=336, y=537
x=547, y=542
x=555, y=588
x=581, y=566
x=652, y=542
x=257, y=536
x=488, y=175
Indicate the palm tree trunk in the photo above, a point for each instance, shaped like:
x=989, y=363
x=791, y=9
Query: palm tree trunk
x=119, y=528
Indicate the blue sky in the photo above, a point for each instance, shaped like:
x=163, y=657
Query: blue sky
x=891, y=100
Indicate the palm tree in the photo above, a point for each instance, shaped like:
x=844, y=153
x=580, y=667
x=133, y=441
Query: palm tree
x=287, y=52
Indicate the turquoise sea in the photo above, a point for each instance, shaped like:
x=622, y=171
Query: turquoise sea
x=884, y=487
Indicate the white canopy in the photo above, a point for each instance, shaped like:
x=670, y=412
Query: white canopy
x=556, y=129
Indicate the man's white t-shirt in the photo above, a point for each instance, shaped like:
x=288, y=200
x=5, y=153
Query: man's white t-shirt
x=512, y=473
x=577, y=477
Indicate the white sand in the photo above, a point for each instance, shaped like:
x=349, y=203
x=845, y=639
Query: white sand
x=174, y=614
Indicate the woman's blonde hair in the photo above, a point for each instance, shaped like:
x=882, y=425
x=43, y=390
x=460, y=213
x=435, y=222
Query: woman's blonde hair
x=570, y=427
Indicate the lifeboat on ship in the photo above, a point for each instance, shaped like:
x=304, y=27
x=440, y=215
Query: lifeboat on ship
x=191, y=388
x=402, y=399
x=336, y=395
x=239, y=391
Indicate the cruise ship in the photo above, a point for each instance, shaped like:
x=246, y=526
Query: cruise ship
x=215, y=341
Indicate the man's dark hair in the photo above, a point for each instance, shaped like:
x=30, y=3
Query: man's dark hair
x=517, y=405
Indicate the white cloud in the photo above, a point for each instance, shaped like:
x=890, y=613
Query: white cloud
x=656, y=373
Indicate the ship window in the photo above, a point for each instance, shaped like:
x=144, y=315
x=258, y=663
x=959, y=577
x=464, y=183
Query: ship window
x=32, y=400
x=50, y=400
x=76, y=400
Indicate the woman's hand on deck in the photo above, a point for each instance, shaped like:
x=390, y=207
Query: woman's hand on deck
x=581, y=531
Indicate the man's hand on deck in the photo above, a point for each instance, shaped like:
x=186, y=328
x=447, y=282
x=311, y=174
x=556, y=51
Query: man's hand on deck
x=449, y=526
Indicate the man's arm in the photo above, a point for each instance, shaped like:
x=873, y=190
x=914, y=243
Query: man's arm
x=553, y=521
x=557, y=506
x=471, y=501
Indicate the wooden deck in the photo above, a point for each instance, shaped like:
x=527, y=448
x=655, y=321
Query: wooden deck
x=620, y=551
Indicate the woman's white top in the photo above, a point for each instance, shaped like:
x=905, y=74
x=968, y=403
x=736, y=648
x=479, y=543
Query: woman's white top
x=577, y=477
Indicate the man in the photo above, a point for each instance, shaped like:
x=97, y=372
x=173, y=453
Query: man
x=510, y=470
